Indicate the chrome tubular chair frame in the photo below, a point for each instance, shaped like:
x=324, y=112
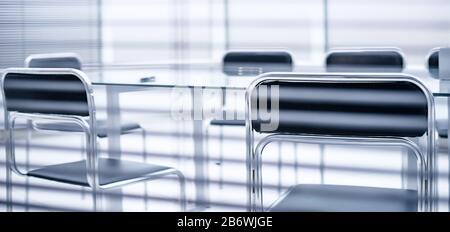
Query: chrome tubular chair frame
x=421, y=164
x=88, y=125
x=425, y=163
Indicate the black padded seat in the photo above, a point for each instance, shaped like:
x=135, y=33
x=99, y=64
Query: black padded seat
x=433, y=63
x=55, y=62
x=256, y=62
x=102, y=127
x=350, y=109
x=219, y=122
x=339, y=198
x=110, y=171
x=365, y=61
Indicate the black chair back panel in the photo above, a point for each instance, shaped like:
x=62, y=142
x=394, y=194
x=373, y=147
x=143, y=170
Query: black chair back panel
x=365, y=61
x=55, y=62
x=257, y=62
x=355, y=109
x=433, y=64
x=63, y=94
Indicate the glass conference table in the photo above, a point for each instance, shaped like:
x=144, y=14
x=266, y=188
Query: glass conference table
x=120, y=79
x=195, y=77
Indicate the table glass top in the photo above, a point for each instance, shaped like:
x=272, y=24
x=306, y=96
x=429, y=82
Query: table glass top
x=211, y=76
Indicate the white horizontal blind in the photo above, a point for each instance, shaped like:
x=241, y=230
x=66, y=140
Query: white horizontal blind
x=141, y=31
x=45, y=26
x=415, y=26
x=294, y=25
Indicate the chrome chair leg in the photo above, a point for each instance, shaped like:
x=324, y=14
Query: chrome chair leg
x=9, y=186
x=181, y=178
x=8, y=168
x=97, y=198
x=83, y=151
x=9, y=199
x=29, y=129
x=408, y=169
x=182, y=182
x=296, y=162
x=279, y=167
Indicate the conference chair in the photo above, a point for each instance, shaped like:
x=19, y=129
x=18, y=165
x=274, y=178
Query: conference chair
x=72, y=60
x=365, y=60
x=345, y=109
x=249, y=63
x=242, y=63
x=432, y=63
x=54, y=60
x=42, y=95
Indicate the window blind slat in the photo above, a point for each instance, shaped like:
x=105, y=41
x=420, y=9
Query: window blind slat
x=29, y=27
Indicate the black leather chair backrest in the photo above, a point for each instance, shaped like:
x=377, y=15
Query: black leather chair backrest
x=351, y=109
x=63, y=94
x=256, y=62
x=365, y=61
x=433, y=63
x=54, y=62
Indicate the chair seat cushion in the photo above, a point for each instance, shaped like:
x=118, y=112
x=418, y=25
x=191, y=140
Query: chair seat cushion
x=110, y=171
x=338, y=198
x=102, y=127
x=217, y=122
